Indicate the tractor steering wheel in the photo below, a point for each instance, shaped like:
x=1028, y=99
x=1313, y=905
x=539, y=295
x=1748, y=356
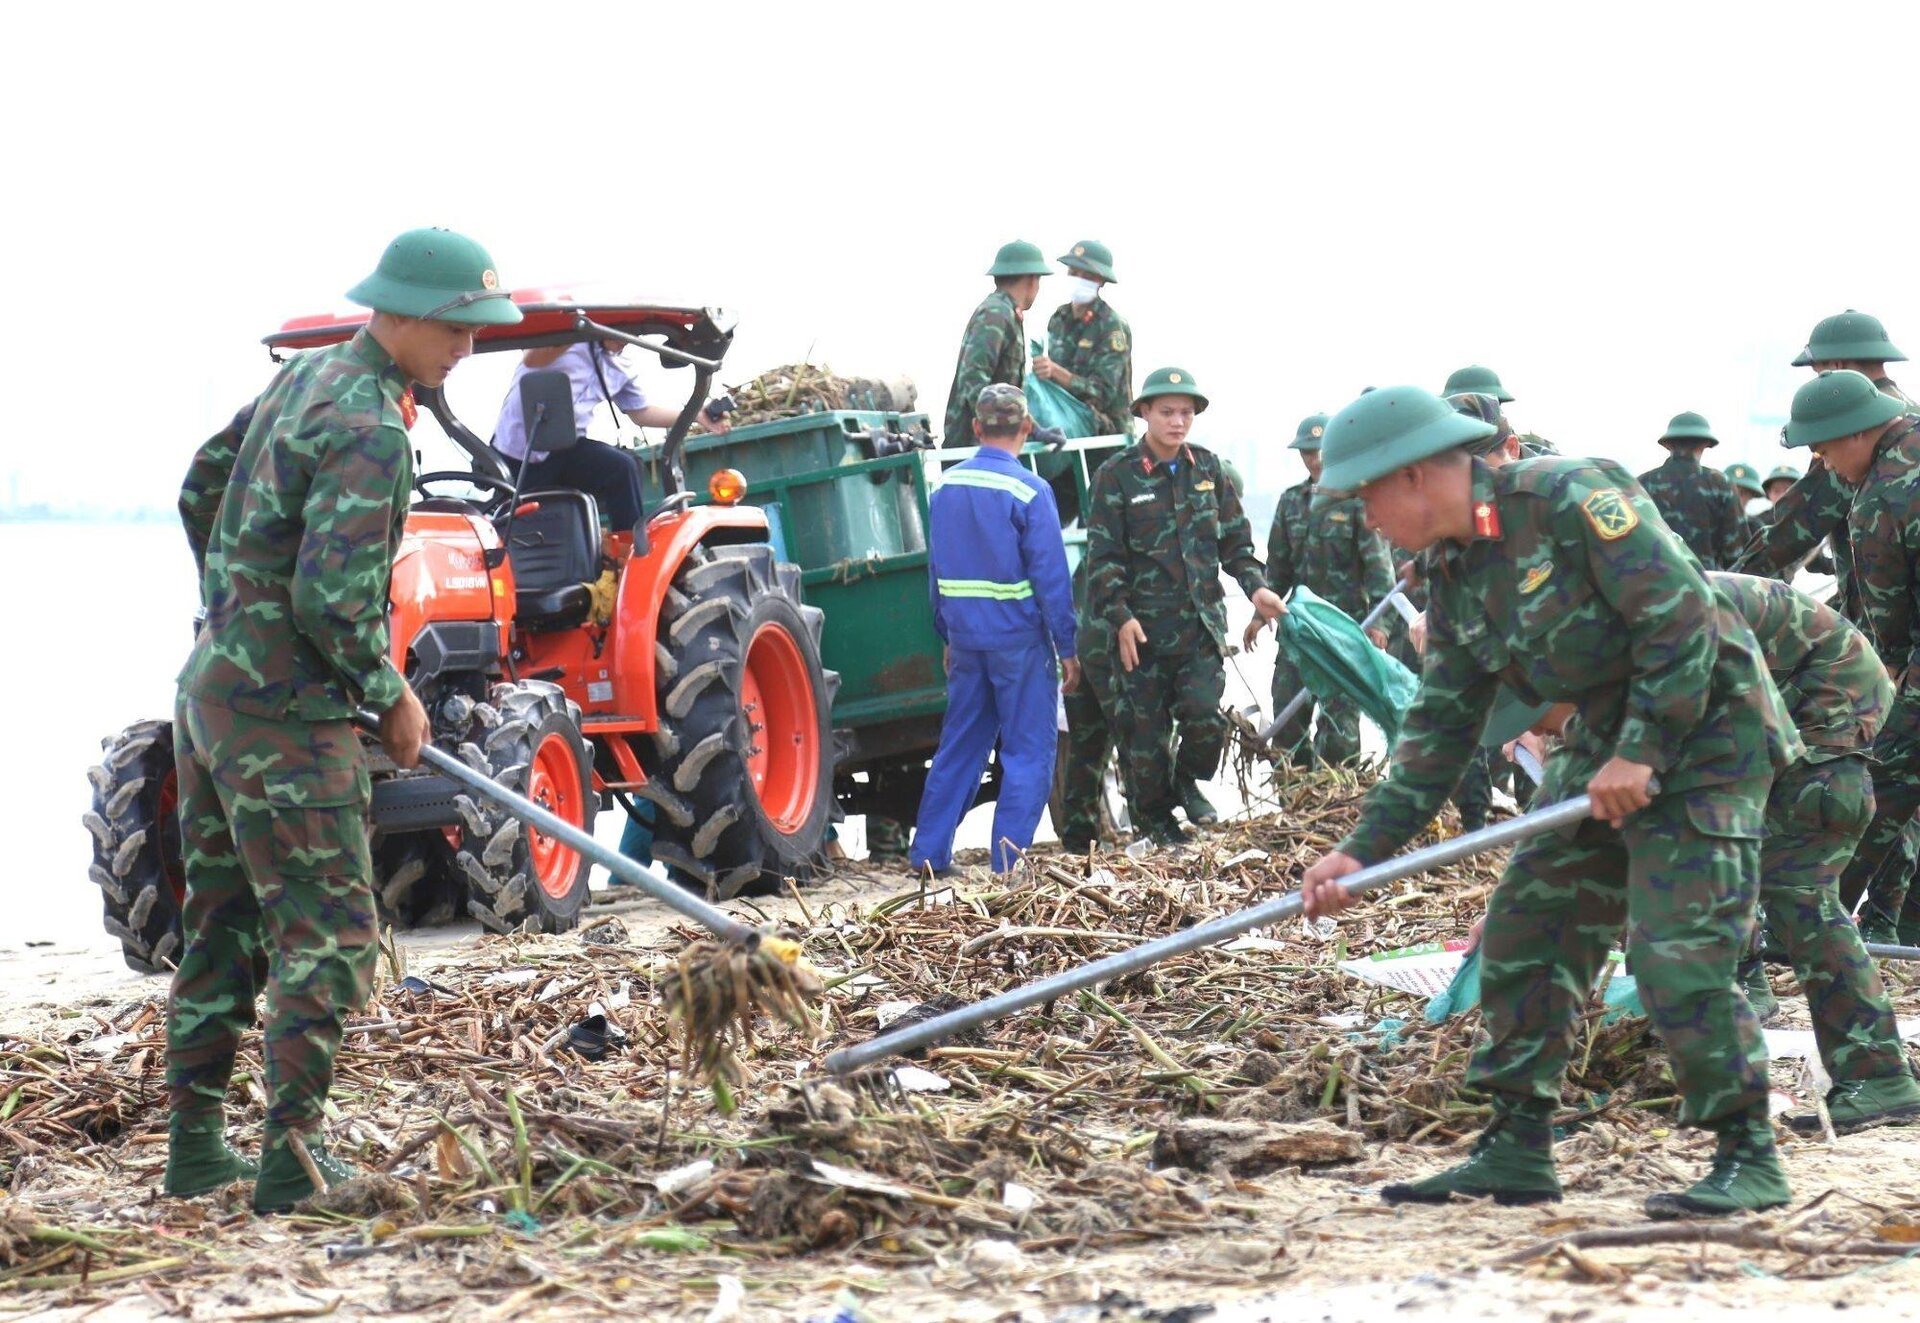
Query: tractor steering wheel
x=496, y=502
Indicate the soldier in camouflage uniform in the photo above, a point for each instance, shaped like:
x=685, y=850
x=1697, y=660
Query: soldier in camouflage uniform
x=1557, y=579
x=1090, y=713
x=1089, y=345
x=1866, y=440
x=1164, y=522
x=294, y=513
x=1325, y=544
x=1837, y=695
x=1698, y=503
x=993, y=349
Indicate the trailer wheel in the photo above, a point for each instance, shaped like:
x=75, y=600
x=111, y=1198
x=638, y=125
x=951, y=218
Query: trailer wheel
x=742, y=766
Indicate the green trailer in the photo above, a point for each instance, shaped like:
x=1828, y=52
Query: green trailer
x=846, y=496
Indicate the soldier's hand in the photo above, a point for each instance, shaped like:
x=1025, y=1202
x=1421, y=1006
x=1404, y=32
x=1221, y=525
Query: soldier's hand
x=1619, y=790
x=1408, y=572
x=1069, y=675
x=1417, y=633
x=1267, y=602
x=1320, y=890
x=1378, y=637
x=404, y=731
x=1252, y=633
x=1128, y=639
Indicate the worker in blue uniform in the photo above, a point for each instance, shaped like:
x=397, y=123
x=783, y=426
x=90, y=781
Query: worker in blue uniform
x=1003, y=605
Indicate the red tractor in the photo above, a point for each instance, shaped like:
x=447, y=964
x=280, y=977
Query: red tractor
x=697, y=685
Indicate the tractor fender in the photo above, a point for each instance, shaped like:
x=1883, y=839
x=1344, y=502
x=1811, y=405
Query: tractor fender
x=644, y=585
x=440, y=575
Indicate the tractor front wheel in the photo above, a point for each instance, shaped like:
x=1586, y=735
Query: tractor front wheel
x=527, y=738
x=743, y=772
x=135, y=828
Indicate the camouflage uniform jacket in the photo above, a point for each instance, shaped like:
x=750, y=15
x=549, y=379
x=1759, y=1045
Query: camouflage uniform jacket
x=1700, y=506
x=1158, y=536
x=1094, y=343
x=294, y=513
x=1327, y=546
x=994, y=349
x=1572, y=590
x=1832, y=681
x=1813, y=509
x=1885, y=524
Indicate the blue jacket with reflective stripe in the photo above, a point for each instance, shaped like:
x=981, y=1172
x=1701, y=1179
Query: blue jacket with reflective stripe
x=996, y=559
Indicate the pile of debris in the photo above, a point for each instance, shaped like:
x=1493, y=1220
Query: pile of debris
x=531, y=1093
x=799, y=388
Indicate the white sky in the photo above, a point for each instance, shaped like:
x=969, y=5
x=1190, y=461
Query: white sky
x=1627, y=210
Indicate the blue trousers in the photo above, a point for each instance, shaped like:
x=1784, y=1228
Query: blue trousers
x=1009, y=696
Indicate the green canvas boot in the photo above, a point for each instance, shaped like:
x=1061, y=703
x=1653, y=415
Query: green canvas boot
x=1752, y=978
x=1746, y=1175
x=1876, y=925
x=283, y=1180
x=1511, y=1163
x=1857, y=1104
x=198, y=1159
x=1200, y=810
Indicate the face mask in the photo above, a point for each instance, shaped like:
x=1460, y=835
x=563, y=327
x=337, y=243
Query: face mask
x=1082, y=289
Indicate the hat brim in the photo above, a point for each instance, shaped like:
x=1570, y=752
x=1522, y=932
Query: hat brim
x=1304, y=443
x=1091, y=267
x=1691, y=434
x=1868, y=413
x=1511, y=718
x=1033, y=268
x=493, y=308
x=1200, y=401
x=1430, y=439
x=1852, y=351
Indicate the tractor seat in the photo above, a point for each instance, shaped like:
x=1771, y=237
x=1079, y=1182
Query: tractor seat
x=555, y=554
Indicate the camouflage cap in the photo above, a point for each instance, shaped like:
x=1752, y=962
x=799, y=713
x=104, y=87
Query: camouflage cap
x=1487, y=409
x=1000, y=407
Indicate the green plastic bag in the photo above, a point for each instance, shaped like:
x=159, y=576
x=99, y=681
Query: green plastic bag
x=1055, y=406
x=1335, y=657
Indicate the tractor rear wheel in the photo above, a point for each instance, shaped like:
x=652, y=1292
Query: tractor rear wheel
x=743, y=769
x=526, y=737
x=136, y=844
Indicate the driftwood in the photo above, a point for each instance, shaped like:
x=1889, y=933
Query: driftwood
x=1248, y=1148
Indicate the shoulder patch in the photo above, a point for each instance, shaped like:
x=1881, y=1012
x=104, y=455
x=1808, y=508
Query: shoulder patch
x=1610, y=514
x=1118, y=341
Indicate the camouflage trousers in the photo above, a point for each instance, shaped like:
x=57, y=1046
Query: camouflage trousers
x=886, y=837
x=1683, y=876
x=1474, y=795
x=1167, y=717
x=1880, y=870
x=1815, y=814
x=1338, y=739
x=273, y=823
x=1090, y=744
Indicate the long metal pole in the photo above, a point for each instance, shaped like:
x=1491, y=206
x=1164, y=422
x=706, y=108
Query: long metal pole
x=1211, y=933
x=1888, y=951
x=673, y=897
x=1301, y=699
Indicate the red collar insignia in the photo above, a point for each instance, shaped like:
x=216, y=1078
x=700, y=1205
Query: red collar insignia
x=1486, y=520
x=408, y=409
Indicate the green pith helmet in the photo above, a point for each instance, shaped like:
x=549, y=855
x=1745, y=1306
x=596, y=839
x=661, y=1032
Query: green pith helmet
x=1512, y=717
x=1385, y=430
x=1849, y=337
x=1092, y=258
x=1837, y=404
x=440, y=276
x=1786, y=471
x=1746, y=477
x=1019, y=258
x=1170, y=381
x=1476, y=380
x=1307, y=435
x=1487, y=409
x=1689, y=426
